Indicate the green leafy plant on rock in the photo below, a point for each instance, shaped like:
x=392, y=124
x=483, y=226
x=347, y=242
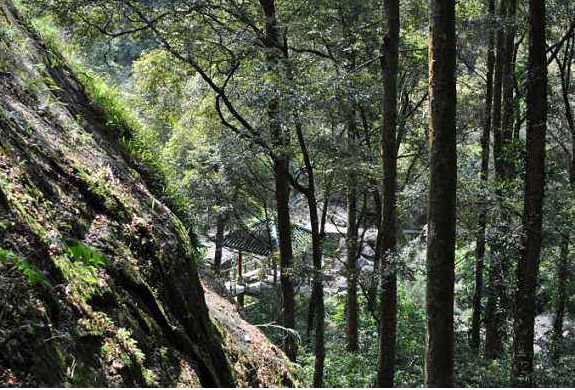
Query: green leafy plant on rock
x=80, y=265
x=32, y=274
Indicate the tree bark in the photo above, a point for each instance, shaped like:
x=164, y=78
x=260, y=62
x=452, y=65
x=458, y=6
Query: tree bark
x=497, y=94
x=508, y=84
x=281, y=173
x=314, y=297
x=527, y=269
x=317, y=314
x=563, y=266
x=505, y=174
x=496, y=293
x=317, y=294
x=475, y=339
x=388, y=224
x=310, y=314
x=442, y=195
x=351, y=236
x=317, y=310
x=281, y=176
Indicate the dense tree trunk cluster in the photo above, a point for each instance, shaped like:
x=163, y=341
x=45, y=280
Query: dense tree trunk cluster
x=480, y=246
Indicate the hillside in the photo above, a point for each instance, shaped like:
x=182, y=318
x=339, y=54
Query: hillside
x=98, y=278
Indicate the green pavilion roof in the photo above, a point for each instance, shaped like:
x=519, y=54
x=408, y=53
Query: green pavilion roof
x=261, y=238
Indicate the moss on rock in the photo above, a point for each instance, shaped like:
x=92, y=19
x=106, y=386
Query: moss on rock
x=140, y=317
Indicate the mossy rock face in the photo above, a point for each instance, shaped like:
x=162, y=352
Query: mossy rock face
x=140, y=317
x=65, y=176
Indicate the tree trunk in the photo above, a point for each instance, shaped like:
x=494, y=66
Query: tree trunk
x=351, y=237
x=310, y=314
x=527, y=269
x=563, y=266
x=317, y=295
x=442, y=195
x=317, y=310
x=496, y=294
x=475, y=339
x=281, y=175
x=508, y=84
x=220, y=228
x=497, y=94
x=388, y=224
x=316, y=315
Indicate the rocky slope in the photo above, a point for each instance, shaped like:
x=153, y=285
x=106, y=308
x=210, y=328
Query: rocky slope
x=98, y=278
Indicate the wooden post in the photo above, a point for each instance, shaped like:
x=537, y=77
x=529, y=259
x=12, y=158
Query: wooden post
x=240, y=266
x=275, y=267
x=240, y=297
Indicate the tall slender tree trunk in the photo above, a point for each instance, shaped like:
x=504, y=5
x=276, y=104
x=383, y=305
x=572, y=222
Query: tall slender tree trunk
x=497, y=93
x=281, y=176
x=317, y=295
x=508, y=167
x=508, y=84
x=351, y=236
x=348, y=15
x=508, y=158
x=317, y=300
x=563, y=266
x=281, y=173
x=388, y=224
x=527, y=269
x=496, y=293
x=442, y=195
x=475, y=339
x=310, y=323
x=317, y=310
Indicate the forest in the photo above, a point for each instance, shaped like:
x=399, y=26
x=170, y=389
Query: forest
x=382, y=189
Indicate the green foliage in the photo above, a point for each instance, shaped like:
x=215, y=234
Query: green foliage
x=99, y=324
x=130, y=347
x=114, y=106
x=20, y=264
x=121, y=350
x=343, y=369
x=103, y=93
x=79, y=252
x=80, y=265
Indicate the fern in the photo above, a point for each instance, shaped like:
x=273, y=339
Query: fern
x=80, y=265
x=32, y=274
